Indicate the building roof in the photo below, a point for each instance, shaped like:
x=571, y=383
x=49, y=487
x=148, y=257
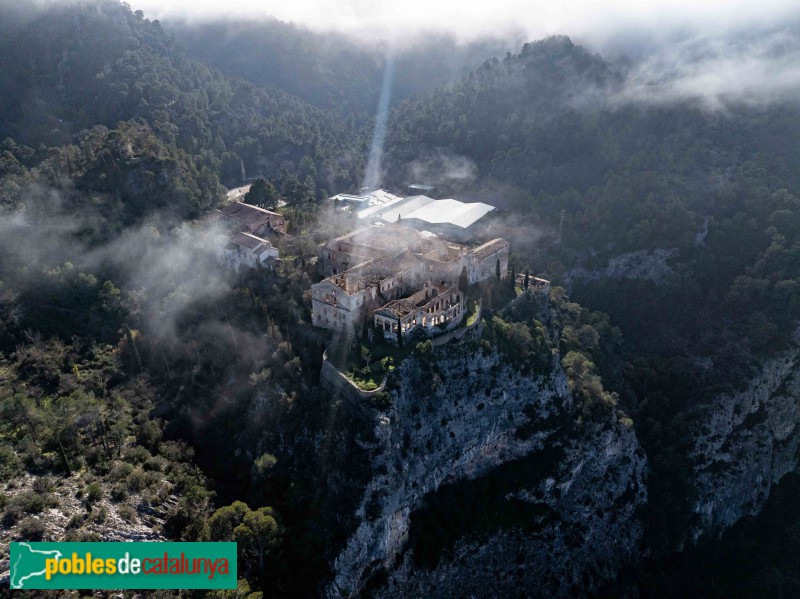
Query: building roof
x=489, y=248
x=245, y=213
x=412, y=204
x=377, y=197
x=426, y=209
x=348, y=197
x=397, y=308
x=238, y=192
x=391, y=205
x=373, y=272
x=251, y=242
x=381, y=196
x=451, y=212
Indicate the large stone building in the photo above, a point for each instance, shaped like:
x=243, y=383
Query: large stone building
x=251, y=219
x=435, y=305
x=368, y=269
x=244, y=249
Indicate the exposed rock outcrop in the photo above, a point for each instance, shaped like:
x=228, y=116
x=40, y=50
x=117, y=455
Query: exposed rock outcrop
x=568, y=490
x=647, y=265
x=745, y=442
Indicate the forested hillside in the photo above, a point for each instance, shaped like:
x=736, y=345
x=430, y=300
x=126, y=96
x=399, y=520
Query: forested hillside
x=591, y=174
x=332, y=70
x=141, y=386
x=144, y=384
x=63, y=71
x=717, y=188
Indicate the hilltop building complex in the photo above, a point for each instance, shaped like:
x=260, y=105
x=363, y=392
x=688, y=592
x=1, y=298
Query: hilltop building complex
x=246, y=246
x=398, y=276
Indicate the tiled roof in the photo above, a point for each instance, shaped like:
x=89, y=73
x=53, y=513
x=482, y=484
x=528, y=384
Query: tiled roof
x=489, y=248
x=245, y=213
x=251, y=242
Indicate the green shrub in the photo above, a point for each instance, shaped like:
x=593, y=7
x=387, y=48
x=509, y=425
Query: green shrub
x=136, y=481
x=120, y=471
x=42, y=484
x=119, y=492
x=137, y=454
x=152, y=478
x=33, y=502
x=11, y=515
x=127, y=513
x=9, y=462
x=31, y=529
x=100, y=515
x=155, y=464
x=94, y=493
x=424, y=349
x=381, y=400
x=76, y=521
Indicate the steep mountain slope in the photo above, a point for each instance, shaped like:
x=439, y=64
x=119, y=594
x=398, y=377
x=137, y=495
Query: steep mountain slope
x=71, y=67
x=598, y=184
x=509, y=458
x=491, y=467
x=332, y=70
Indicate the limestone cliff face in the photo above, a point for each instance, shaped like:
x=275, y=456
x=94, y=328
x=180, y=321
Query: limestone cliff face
x=647, y=265
x=746, y=441
x=467, y=415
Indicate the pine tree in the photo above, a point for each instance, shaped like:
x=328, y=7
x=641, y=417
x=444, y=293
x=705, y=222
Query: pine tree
x=463, y=279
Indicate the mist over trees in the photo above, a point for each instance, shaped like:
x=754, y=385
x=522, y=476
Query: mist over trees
x=130, y=360
x=332, y=70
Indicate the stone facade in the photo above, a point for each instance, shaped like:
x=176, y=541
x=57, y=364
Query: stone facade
x=535, y=284
x=430, y=307
x=245, y=250
x=370, y=267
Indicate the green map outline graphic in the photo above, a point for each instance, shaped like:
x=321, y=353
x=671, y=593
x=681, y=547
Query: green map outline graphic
x=15, y=566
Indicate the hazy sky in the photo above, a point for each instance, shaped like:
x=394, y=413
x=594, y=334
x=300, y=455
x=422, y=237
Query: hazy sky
x=468, y=18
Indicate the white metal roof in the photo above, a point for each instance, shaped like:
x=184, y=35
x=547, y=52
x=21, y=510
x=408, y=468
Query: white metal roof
x=377, y=197
x=399, y=210
x=391, y=206
x=428, y=210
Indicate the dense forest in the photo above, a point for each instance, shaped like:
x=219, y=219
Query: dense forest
x=332, y=70
x=173, y=393
x=547, y=127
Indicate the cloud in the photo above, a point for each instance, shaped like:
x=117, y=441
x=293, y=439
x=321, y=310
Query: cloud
x=749, y=67
x=442, y=167
x=174, y=269
x=173, y=266
x=599, y=21
x=714, y=51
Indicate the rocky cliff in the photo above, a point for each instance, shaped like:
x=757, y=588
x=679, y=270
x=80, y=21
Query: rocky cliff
x=646, y=265
x=486, y=479
x=746, y=441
